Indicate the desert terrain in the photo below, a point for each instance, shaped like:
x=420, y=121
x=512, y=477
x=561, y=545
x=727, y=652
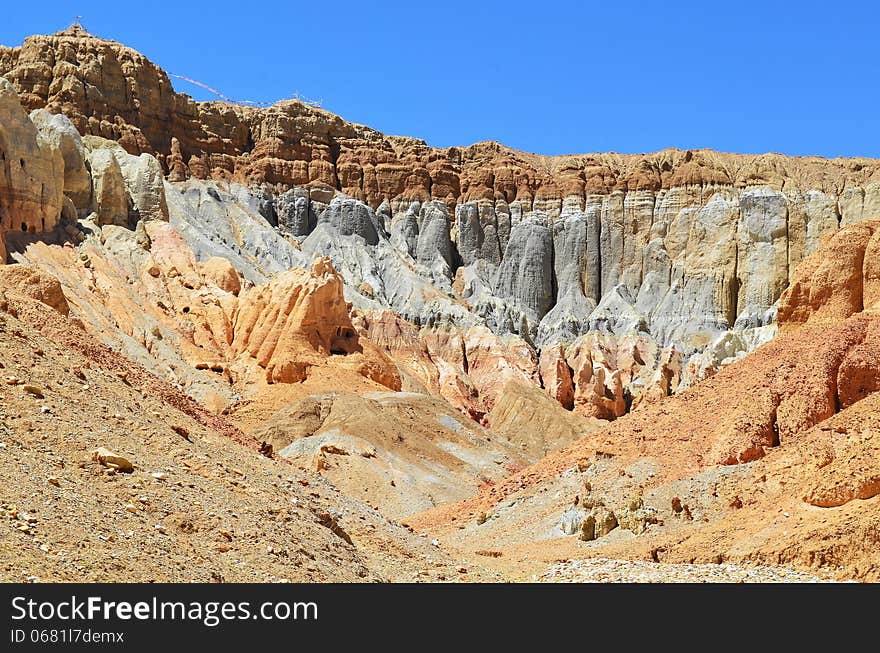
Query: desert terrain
x=245, y=344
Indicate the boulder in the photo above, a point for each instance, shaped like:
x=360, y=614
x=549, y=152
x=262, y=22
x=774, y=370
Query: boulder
x=112, y=460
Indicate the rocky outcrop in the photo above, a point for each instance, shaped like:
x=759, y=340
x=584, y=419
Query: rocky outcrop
x=349, y=217
x=294, y=212
x=126, y=188
x=837, y=281
x=198, y=325
x=297, y=310
x=51, y=176
x=108, y=188
x=32, y=172
x=60, y=134
x=525, y=275
x=434, y=247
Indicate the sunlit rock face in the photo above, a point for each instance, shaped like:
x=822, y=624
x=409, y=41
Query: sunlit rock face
x=617, y=274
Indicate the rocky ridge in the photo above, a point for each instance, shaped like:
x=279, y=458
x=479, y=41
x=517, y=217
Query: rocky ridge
x=683, y=253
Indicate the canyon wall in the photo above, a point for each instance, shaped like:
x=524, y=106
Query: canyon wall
x=622, y=276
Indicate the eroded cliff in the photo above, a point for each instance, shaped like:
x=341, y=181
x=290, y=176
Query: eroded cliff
x=627, y=276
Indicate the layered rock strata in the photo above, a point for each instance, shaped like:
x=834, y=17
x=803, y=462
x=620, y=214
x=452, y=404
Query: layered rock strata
x=683, y=252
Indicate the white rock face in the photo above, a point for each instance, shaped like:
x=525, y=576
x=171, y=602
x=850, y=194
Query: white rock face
x=214, y=222
x=433, y=245
x=109, y=196
x=762, y=242
x=141, y=195
x=57, y=131
x=144, y=182
x=525, y=276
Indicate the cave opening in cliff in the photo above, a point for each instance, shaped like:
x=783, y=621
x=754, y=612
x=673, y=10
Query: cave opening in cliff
x=344, y=342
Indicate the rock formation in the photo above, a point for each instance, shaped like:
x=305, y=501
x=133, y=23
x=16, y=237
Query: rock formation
x=771, y=460
x=32, y=171
x=686, y=252
x=296, y=311
x=349, y=297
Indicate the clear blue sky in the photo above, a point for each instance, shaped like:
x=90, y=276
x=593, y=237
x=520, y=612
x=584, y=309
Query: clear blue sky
x=548, y=77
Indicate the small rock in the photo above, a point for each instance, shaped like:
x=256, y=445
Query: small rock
x=53, y=480
x=112, y=460
x=181, y=431
x=34, y=390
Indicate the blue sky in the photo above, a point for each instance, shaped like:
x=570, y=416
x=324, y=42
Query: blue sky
x=546, y=77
